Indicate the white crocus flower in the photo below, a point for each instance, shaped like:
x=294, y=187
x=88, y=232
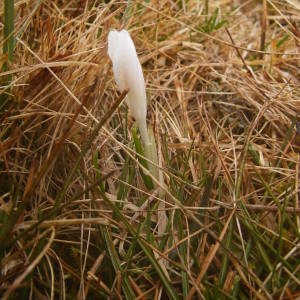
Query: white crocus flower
x=129, y=76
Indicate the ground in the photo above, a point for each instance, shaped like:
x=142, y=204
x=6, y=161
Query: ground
x=80, y=214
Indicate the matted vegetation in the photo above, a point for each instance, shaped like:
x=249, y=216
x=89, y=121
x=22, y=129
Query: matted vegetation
x=79, y=211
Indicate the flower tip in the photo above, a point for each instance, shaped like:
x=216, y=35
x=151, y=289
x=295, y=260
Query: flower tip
x=116, y=40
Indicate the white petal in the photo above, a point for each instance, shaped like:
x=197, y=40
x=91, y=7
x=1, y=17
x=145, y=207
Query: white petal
x=129, y=75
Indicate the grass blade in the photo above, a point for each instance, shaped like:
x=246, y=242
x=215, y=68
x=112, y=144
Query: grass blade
x=8, y=47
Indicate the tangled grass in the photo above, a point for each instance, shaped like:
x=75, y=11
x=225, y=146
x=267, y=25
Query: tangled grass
x=77, y=217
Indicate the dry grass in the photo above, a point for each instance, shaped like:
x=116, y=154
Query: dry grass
x=223, y=86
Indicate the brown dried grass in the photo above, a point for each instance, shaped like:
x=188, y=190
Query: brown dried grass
x=223, y=103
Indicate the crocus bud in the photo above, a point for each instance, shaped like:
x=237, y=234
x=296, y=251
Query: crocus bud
x=129, y=76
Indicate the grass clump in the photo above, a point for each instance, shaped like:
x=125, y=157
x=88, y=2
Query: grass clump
x=80, y=214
